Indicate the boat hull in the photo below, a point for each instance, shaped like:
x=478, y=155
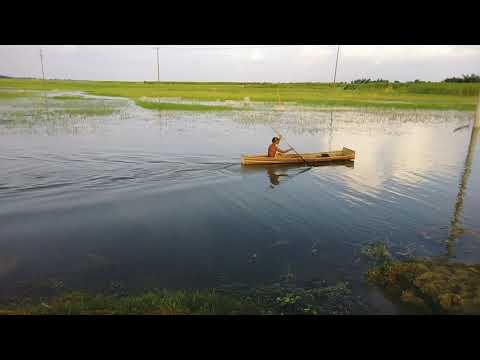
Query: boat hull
x=309, y=158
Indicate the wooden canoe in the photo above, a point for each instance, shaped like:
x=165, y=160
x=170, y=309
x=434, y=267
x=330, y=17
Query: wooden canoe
x=310, y=158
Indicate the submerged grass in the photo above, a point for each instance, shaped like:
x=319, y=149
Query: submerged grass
x=98, y=111
x=406, y=95
x=181, y=107
x=33, y=115
x=68, y=97
x=15, y=94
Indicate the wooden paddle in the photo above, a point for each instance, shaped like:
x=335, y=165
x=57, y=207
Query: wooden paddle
x=280, y=135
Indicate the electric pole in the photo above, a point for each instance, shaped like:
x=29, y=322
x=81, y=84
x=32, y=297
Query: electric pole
x=41, y=60
x=158, y=66
x=336, y=63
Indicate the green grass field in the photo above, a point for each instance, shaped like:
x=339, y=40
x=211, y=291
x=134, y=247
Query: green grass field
x=442, y=96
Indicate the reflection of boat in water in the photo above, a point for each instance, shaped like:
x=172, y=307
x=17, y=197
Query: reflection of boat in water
x=287, y=168
x=310, y=158
x=280, y=173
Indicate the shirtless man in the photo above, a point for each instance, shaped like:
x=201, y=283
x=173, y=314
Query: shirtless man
x=273, y=148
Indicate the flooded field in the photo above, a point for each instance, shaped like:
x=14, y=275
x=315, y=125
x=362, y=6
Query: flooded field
x=98, y=194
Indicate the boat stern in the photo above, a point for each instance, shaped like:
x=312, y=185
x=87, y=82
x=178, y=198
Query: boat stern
x=348, y=152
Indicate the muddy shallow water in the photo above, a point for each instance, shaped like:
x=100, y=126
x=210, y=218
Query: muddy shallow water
x=143, y=199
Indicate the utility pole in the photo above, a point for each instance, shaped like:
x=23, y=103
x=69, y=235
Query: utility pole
x=158, y=66
x=336, y=63
x=41, y=60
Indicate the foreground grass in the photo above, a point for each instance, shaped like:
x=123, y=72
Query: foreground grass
x=274, y=299
x=182, y=107
x=152, y=303
x=444, y=96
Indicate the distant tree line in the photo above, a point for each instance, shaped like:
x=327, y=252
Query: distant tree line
x=366, y=81
x=472, y=78
x=464, y=79
x=16, y=77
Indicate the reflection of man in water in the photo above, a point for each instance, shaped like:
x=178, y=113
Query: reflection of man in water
x=273, y=148
x=274, y=178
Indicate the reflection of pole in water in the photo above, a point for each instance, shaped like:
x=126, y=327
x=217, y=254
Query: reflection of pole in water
x=44, y=87
x=455, y=229
x=331, y=132
x=46, y=104
x=477, y=118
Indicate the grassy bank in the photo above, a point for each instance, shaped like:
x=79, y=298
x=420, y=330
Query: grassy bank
x=444, y=96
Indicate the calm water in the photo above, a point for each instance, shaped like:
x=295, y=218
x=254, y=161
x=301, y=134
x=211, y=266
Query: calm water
x=140, y=199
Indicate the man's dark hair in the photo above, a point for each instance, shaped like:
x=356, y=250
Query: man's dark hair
x=274, y=139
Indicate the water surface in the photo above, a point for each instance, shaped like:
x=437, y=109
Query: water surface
x=140, y=199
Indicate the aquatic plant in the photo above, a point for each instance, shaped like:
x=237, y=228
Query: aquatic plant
x=429, y=285
x=378, y=253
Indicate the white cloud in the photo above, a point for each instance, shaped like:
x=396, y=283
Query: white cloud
x=257, y=56
x=408, y=52
x=70, y=47
x=317, y=51
x=312, y=54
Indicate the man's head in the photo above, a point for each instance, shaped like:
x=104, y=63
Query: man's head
x=275, y=140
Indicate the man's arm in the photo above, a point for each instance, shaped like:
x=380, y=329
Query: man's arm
x=284, y=151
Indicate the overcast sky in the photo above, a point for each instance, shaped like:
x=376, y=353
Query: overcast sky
x=267, y=63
